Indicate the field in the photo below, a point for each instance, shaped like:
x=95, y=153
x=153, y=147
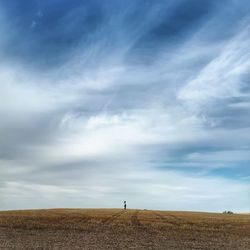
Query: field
x=122, y=229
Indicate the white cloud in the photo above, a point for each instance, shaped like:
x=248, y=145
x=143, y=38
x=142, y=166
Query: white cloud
x=221, y=78
x=142, y=188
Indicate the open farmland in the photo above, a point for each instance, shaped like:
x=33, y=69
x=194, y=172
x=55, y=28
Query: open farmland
x=122, y=229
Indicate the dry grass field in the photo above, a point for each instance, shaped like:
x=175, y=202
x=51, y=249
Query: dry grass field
x=122, y=229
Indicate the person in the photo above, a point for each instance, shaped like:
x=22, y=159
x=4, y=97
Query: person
x=125, y=205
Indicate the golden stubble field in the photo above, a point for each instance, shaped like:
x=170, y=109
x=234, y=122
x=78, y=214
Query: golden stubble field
x=122, y=229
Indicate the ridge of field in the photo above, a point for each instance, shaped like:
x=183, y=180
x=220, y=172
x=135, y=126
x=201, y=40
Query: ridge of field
x=122, y=229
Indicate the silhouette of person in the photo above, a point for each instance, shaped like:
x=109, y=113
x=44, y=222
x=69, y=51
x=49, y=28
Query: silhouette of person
x=125, y=205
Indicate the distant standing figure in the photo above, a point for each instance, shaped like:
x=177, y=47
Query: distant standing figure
x=125, y=205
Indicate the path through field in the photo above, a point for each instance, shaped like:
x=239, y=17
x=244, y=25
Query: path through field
x=122, y=229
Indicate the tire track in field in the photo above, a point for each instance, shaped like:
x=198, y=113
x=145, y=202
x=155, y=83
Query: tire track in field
x=84, y=219
x=135, y=220
x=137, y=223
x=108, y=220
x=179, y=221
x=77, y=217
x=182, y=220
x=144, y=228
x=76, y=223
x=164, y=219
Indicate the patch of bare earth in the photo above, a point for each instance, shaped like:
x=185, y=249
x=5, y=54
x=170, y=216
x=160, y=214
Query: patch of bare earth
x=122, y=229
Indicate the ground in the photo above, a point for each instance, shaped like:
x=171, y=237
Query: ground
x=122, y=229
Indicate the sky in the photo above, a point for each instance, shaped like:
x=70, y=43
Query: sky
x=146, y=101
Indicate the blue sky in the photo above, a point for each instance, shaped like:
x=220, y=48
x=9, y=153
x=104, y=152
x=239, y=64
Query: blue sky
x=144, y=101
